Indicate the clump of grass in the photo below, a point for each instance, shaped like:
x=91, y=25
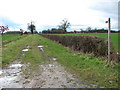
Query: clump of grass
x=64, y=86
x=26, y=82
x=17, y=81
x=26, y=77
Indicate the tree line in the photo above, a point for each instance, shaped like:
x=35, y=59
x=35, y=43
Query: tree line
x=95, y=30
x=62, y=28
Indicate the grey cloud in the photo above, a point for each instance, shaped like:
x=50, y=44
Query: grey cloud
x=108, y=9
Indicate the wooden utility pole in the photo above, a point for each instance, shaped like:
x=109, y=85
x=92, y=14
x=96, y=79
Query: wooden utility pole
x=109, y=37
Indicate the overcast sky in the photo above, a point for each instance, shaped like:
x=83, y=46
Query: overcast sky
x=48, y=14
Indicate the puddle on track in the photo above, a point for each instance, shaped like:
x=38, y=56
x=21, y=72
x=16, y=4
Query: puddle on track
x=10, y=76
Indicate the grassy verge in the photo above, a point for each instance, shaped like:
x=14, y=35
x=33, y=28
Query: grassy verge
x=114, y=36
x=87, y=67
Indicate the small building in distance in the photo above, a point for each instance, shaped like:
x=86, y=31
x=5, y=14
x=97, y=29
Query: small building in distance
x=25, y=32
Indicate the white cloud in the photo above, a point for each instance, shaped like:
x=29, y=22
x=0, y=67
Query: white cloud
x=51, y=12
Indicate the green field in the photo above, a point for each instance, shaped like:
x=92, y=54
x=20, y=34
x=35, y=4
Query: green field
x=114, y=37
x=86, y=67
x=11, y=37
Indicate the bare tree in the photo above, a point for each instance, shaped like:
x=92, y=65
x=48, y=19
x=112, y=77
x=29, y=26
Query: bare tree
x=64, y=25
x=31, y=27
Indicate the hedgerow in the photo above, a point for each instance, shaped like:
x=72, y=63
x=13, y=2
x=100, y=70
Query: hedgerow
x=87, y=44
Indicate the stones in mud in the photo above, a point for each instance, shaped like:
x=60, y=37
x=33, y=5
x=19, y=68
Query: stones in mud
x=27, y=46
x=54, y=59
x=16, y=65
x=40, y=46
x=50, y=65
x=25, y=50
x=41, y=49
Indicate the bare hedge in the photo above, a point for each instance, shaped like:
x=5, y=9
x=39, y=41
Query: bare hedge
x=87, y=44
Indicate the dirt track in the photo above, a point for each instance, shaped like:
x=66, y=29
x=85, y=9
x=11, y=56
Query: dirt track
x=49, y=74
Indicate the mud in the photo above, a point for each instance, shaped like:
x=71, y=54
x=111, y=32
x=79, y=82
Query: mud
x=55, y=76
x=10, y=75
x=41, y=48
x=54, y=59
x=50, y=74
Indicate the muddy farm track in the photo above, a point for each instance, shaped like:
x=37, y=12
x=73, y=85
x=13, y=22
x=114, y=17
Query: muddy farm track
x=49, y=74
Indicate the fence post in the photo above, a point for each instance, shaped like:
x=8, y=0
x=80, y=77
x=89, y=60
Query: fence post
x=109, y=37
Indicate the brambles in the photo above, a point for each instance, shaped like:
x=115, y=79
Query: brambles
x=3, y=28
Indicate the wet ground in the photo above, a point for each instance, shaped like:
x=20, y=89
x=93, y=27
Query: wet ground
x=10, y=76
x=49, y=74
